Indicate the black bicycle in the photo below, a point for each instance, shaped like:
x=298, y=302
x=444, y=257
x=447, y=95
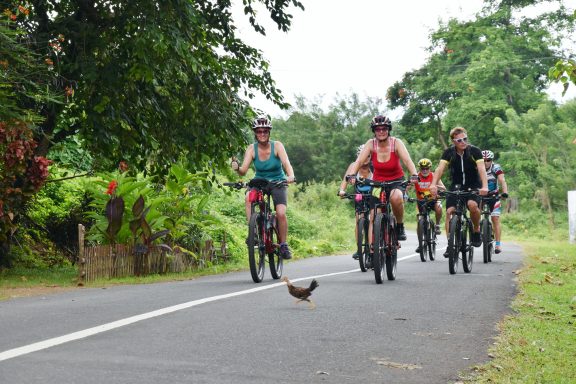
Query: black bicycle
x=384, y=239
x=362, y=228
x=263, y=238
x=460, y=232
x=426, y=229
x=488, y=242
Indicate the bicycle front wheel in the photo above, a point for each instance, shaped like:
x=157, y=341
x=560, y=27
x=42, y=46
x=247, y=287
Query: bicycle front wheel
x=363, y=246
x=486, y=240
x=453, y=245
x=391, y=248
x=379, y=252
x=256, y=248
x=274, y=258
x=422, y=246
x=431, y=242
x=466, y=248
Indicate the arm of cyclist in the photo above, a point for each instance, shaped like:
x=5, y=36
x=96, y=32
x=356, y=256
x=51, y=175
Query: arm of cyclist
x=504, y=186
x=482, y=191
x=281, y=151
x=346, y=180
x=437, y=178
x=248, y=156
x=406, y=160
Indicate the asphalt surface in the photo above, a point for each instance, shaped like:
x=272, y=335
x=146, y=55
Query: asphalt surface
x=424, y=327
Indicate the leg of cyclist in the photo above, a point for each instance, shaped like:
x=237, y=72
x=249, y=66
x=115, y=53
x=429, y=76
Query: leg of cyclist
x=496, y=227
x=397, y=202
x=283, y=231
x=475, y=214
x=449, y=211
x=438, y=214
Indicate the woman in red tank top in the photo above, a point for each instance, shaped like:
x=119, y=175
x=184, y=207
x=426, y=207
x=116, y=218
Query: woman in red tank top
x=387, y=152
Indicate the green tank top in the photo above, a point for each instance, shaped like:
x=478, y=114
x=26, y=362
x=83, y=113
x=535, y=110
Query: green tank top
x=270, y=169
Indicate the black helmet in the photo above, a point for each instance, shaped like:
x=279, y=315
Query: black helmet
x=379, y=121
x=262, y=122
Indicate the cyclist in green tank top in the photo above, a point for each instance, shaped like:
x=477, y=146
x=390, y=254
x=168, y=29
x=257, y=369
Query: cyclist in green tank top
x=271, y=163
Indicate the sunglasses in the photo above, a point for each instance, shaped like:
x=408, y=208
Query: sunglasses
x=487, y=161
x=461, y=140
x=380, y=129
x=262, y=131
x=424, y=169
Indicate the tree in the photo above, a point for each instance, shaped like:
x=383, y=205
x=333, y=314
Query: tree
x=539, y=153
x=147, y=82
x=477, y=70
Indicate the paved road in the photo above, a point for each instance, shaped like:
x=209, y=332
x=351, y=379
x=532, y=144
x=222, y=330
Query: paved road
x=424, y=327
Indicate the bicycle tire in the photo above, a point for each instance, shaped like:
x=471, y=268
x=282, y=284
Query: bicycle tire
x=431, y=243
x=486, y=240
x=467, y=250
x=453, y=245
x=421, y=233
x=256, y=251
x=274, y=258
x=492, y=242
x=362, y=244
x=378, y=245
x=391, y=248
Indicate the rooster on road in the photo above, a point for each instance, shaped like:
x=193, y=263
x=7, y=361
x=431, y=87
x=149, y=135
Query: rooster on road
x=301, y=293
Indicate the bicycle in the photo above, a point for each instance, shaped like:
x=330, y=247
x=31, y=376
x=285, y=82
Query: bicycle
x=460, y=233
x=488, y=242
x=426, y=229
x=362, y=228
x=263, y=238
x=384, y=238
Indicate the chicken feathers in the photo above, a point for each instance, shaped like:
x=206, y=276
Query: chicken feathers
x=301, y=293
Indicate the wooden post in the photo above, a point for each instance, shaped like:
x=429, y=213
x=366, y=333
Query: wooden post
x=81, y=256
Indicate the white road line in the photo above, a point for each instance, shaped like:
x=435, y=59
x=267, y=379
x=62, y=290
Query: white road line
x=11, y=353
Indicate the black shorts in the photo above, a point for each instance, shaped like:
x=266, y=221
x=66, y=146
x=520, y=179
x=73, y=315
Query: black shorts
x=451, y=200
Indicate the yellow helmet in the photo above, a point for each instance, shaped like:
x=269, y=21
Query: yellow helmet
x=425, y=163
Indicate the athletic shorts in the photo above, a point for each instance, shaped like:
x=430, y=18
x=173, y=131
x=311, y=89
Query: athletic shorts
x=451, y=200
x=279, y=196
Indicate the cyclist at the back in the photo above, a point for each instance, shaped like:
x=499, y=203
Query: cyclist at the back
x=364, y=172
x=422, y=188
x=495, y=181
x=467, y=170
x=386, y=153
x=270, y=161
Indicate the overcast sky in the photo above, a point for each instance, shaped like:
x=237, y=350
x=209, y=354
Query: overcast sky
x=346, y=46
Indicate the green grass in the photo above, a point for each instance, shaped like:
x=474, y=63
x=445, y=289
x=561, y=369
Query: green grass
x=538, y=343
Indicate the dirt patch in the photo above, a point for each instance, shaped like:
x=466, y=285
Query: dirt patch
x=13, y=293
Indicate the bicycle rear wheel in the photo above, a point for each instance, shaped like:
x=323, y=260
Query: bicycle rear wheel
x=391, y=248
x=453, y=245
x=466, y=247
x=431, y=242
x=274, y=258
x=256, y=248
x=363, y=246
x=378, y=256
x=422, y=246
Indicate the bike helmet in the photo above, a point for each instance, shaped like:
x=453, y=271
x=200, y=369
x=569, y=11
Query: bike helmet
x=488, y=154
x=262, y=122
x=425, y=163
x=379, y=121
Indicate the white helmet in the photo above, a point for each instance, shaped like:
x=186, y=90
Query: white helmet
x=488, y=154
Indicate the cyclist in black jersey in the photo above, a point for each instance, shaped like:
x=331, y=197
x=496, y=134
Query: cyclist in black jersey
x=467, y=170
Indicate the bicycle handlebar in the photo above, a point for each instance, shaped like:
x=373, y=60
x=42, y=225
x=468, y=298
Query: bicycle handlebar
x=257, y=183
x=382, y=184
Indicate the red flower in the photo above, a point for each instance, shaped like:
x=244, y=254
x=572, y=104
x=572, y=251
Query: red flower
x=112, y=187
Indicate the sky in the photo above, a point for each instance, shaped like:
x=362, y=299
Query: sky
x=352, y=46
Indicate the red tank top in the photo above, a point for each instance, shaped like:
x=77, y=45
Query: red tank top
x=388, y=170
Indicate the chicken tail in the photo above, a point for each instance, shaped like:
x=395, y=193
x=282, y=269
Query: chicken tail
x=313, y=285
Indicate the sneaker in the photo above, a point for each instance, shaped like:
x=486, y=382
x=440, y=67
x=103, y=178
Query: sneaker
x=285, y=251
x=476, y=239
x=417, y=250
x=355, y=256
x=447, y=254
x=400, y=232
x=437, y=230
x=497, y=250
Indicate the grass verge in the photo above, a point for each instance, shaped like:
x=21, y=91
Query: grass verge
x=538, y=343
